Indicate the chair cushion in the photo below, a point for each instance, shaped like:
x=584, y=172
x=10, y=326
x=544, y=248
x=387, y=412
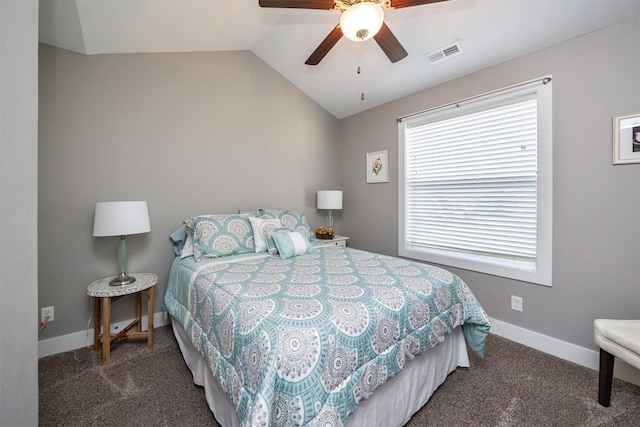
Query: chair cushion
x=620, y=338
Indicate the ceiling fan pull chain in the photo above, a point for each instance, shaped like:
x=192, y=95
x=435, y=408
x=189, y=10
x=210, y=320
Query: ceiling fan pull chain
x=362, y=85
x=361, y=71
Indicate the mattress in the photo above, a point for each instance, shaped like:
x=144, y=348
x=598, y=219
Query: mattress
x=393, y=404
x=308, y=340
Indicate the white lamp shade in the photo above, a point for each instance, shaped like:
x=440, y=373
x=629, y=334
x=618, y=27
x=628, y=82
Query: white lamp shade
x=329, y=199
x=361, y=21
x=121, y=219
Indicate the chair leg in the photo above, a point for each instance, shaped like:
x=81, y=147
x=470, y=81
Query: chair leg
x=606, y=378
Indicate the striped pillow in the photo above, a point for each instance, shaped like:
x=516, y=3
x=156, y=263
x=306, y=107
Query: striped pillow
x=292, y=244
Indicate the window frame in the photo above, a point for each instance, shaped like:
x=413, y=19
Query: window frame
x=539, y=271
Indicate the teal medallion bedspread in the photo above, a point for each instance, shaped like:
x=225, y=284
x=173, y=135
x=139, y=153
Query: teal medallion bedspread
x=301, y=341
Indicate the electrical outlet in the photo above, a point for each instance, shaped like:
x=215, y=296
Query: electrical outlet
x=516, y=303
x=47, y=311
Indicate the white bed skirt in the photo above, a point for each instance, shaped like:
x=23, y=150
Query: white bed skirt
x=392, y=404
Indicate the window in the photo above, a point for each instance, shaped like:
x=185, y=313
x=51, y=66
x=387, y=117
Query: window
x=476, y=184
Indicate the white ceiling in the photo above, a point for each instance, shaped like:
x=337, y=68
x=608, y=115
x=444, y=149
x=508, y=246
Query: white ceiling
x=491, y=31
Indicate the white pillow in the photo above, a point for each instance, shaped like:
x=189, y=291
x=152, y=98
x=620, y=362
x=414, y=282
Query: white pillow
x=261, y=227
x=187, y=249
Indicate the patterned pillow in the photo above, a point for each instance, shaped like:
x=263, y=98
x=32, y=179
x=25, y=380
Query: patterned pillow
x=261, y=227
x=271, y=244
x=292, y=243
x=294, y=221
x=219, y=235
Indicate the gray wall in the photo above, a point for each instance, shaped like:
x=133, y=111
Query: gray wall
x=596, y=243
x=18, y=213
x=169, y=128
x=190, y=133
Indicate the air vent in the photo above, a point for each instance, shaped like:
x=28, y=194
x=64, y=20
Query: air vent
x=445, y=52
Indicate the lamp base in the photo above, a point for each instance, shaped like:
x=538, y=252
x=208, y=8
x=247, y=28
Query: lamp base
x=329, y=218
x=121, y=280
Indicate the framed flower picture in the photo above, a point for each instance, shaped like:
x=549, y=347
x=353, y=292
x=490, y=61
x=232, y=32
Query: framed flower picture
x=626, y=139
x=378, y=166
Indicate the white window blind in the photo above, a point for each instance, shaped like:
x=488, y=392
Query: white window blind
x=471, y=182
x=471, y=185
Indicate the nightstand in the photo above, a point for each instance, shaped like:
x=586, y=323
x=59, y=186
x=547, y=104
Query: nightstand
x=104, y=294
x=338, y=241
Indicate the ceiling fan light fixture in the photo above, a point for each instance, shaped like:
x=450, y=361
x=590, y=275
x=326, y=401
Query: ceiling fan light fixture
x=361, y=21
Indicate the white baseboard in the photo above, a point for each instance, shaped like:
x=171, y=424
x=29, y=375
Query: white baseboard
x=85, y=338
x=562, y=349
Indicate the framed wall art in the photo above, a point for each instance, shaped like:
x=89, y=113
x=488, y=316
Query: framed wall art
x=626, y=139
x=378, y=167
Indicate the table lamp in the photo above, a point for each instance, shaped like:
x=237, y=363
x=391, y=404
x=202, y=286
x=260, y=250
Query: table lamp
x=329, y=200
x=121, y=219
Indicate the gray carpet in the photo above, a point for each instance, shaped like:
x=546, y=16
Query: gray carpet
x=512, y=386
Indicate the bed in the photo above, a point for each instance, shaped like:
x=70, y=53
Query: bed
x=281, y=329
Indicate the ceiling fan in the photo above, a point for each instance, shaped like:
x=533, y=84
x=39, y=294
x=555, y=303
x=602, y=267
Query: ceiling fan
x=360, y=20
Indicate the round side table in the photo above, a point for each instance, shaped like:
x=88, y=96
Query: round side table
x=104, y=294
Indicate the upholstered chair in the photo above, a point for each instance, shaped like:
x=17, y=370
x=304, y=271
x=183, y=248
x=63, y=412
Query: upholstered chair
x=616, y=338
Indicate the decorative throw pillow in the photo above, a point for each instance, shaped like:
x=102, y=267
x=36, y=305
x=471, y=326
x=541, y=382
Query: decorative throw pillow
x=261, y=227
x=294, y=221
x=271, y=244
x=219, y=235
x=292, y=244
x=178, y=238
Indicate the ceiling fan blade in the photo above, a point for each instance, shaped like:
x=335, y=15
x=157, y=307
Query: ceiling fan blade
x=389, y=44
x=399, y=4
x=299, y=4
x=324, y=47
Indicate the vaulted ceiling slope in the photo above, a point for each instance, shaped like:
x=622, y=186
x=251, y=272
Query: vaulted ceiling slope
x=489, y=32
